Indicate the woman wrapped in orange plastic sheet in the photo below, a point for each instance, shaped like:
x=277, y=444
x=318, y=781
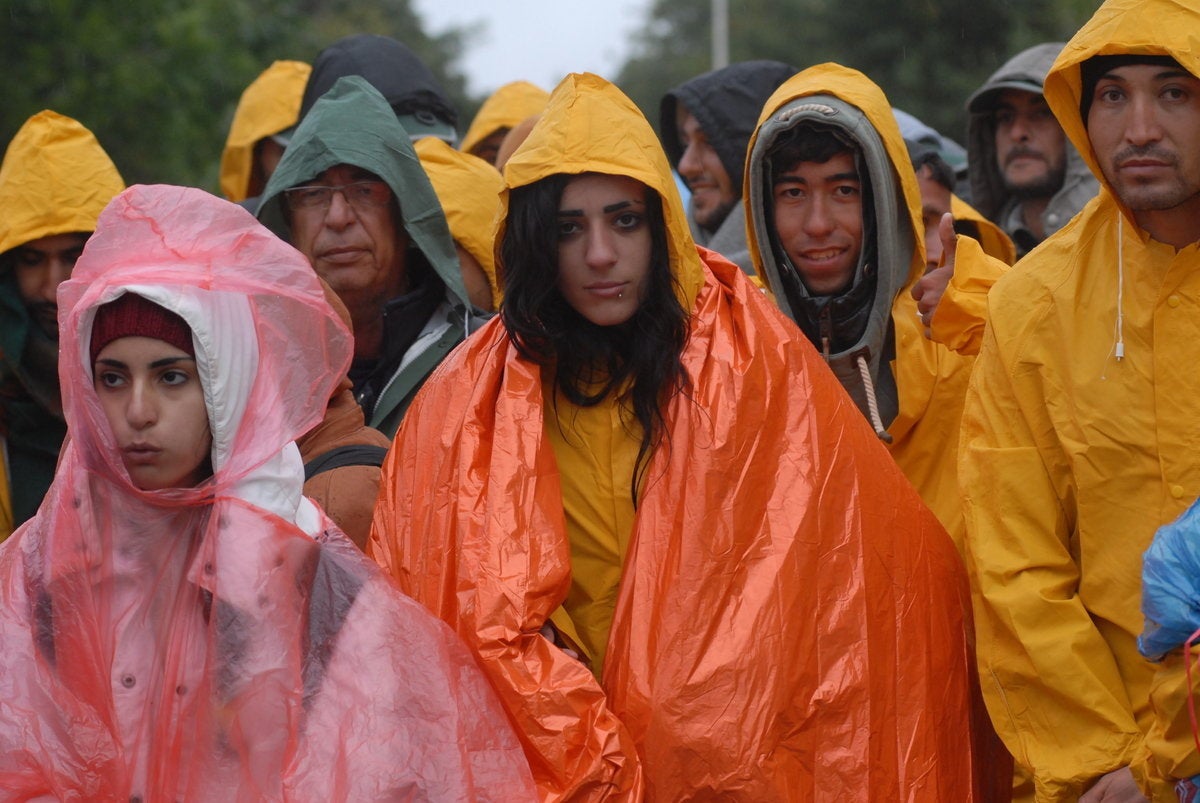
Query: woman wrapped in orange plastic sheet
x=642, y=463
x=178, y=622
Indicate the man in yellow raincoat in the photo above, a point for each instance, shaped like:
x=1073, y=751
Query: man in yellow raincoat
x=783, y=615
x=1079, y=435
x=54, y=182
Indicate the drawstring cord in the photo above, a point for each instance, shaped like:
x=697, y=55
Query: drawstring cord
x=1119, y=348
x=872, y=405
x=864, y=371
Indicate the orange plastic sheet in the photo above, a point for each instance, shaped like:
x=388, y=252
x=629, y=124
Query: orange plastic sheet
x=791, y=620
x=223, y=642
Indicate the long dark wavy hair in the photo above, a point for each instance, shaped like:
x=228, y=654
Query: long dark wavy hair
x=639, y=359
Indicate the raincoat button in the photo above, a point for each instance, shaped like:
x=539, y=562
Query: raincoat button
x=1173, y=301
x=135, y=799
x=208, y=568
x=1177, y=491
x=128, y=681
x=181, y=690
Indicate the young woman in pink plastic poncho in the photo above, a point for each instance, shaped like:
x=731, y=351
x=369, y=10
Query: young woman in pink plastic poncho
x=178, y=622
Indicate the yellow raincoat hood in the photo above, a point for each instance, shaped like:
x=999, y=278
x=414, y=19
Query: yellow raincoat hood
x=269, y=105
x=852, y=88
x=468, y=189
x=507, y=106
x=590, y=126
x=55, y=179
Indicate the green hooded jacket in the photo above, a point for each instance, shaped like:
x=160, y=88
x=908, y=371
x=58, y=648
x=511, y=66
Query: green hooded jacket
x=376, y=141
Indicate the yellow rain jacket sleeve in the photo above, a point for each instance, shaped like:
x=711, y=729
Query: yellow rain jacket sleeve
x=791, y=619
x=931, y=380
x=1071, y=459
x=56, y=179
x=961, y=315
x=469, y=191
x=504, y=108
x=270, y=104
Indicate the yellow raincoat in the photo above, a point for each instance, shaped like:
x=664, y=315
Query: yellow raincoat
x=469, y=191
x=789, y=624
x=270, y=104
x=931, y=380
x=1072, y=458
x=507, y=106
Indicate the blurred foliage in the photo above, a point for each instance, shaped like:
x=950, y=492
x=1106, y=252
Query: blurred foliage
x=927, y=55
x=157, y=80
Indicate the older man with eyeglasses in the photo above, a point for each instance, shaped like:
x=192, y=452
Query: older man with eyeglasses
x=351, y=195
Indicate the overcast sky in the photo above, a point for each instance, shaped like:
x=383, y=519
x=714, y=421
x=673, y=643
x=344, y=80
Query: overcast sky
x=537, y=40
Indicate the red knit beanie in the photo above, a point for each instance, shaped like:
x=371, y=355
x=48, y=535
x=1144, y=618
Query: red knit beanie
x=133, y=316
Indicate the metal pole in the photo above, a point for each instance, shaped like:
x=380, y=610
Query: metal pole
x=720, y=34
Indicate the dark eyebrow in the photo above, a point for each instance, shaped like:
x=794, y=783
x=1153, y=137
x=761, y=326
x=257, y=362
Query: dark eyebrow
x=618, y=206
x=850, y=176
x=570, y=213
x=156, y=364
x=171, y=361
x=1166, y=74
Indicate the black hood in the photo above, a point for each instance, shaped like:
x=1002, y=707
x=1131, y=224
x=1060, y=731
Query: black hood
x=726, y=103
x=390, y=66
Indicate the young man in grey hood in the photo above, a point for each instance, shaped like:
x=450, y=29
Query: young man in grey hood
x=1025, y=176
x=835, y=232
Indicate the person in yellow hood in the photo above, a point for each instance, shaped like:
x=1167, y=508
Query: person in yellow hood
x=843, y=274
x=54, y=181
x=504, y=109
x=267, y=110
x=680, y=553
x=1078, y=437
x=469, y=191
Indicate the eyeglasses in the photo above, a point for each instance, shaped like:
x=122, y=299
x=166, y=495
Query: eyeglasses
x=360, y=194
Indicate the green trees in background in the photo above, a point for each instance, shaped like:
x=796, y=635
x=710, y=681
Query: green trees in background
x=157, y=80
x=928, y=55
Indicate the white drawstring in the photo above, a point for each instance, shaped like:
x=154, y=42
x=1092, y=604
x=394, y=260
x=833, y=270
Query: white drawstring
x=872, y=405
x=1119, y=349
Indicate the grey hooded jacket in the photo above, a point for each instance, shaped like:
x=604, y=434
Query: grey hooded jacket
x=1025, y=71
x=353, y=124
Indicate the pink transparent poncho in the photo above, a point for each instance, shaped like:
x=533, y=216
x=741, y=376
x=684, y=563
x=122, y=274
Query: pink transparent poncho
x=222, y=642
